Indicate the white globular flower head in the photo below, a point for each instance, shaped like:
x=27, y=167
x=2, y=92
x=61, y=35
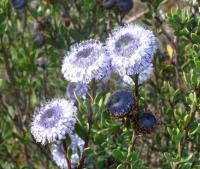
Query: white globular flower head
x=132, y=48
x=53, y=120
x=76, y=89
x=59, y=154
x=85, y=61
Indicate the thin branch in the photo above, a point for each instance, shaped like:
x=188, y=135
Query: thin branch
x=133, y=140
x=90, y=121
x=137, y=16
x=135, y=134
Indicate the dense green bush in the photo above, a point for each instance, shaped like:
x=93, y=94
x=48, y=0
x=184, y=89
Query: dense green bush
x=33, y=42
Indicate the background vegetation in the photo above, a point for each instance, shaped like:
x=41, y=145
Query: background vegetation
x=32, y=45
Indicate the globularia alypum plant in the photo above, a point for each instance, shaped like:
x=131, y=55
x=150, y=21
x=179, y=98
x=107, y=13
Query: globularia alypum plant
x=125, y=59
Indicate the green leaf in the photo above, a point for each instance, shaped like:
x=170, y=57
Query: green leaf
x=197, y=64
x=132, y=156
x=88, y=151
x=81, y=128
x=100, y=102
x=121, y=166
x=76, y=35
x=171, y=158
x=195, y=38
x=183, y=160
x=175, y=134
x=69, y=153
x=186, y=166
x=186, y=119
x=98, y=139
x=117, y=154
x=99, y=96
x=194, y=127
x=82, y=105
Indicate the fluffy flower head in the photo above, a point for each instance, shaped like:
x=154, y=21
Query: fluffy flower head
x=85, y=61
x=53, y=120
x=132, y=48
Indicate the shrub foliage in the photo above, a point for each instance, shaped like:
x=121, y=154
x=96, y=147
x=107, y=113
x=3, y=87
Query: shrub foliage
x=33, y=40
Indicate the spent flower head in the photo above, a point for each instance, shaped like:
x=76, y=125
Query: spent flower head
x=120, y=103
x=145, y=122
x=18, y=4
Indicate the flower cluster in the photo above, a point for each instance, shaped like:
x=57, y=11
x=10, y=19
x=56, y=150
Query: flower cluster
x=51, y=122
x=128, y=51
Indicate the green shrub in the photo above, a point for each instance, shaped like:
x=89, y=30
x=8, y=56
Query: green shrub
x=33, y=41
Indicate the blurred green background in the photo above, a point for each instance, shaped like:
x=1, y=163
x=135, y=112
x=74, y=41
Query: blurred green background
x=33, y=40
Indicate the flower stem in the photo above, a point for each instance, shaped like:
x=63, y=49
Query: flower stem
x=133, y=140
x=90, y=121
x=136, y=91
x=136, y=94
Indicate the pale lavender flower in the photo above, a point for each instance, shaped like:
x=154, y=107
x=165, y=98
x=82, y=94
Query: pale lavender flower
x=85, y=61
x=143, y=76
x=132, y=48
x=76, y=143
x=59, y=154
x=53, y=120
x=77, y=89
